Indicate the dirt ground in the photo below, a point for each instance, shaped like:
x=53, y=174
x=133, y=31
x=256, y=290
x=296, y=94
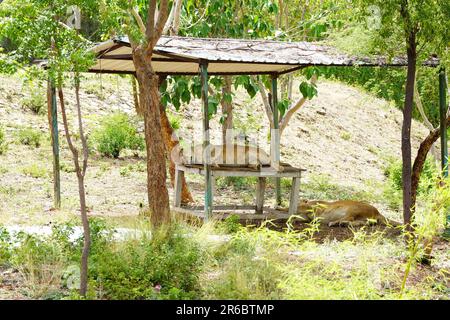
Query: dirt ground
x=343, y=134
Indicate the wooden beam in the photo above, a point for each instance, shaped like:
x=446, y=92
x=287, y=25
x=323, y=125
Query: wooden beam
x=207, y=160
x=443, y=118
x=53, y=123
x=275, y=136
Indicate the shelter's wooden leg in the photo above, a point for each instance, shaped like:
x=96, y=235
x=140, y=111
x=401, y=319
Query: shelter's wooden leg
x=213, y=188
x=53, y=122
x=179, y=174
x=293, y=199
x=260, y=188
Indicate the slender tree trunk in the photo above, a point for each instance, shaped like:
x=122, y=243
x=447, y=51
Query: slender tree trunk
x=158, y=196
x=80, y=172
x=86, y=237
x=137, y=106
x=227, y=109
x=419, y=162
x=406, y=128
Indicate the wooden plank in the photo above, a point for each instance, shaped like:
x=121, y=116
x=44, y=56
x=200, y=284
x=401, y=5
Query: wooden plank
x=178, y=187
x=242, y=171
x=275, y=137
x=293, y=199
x=53, y=122
x=207, y=165
x=260, y=188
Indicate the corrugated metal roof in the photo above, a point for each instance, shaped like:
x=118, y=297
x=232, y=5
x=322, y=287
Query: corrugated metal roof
x=182, y=55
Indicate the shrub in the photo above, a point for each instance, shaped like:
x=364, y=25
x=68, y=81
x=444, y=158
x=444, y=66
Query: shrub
x=163, y=267
x=34, y=171
x=35, y=102
x=5, y=248
x=393, y=172
x=238, y=183
x=115, y=134
x=3, y=143
x=30, y=137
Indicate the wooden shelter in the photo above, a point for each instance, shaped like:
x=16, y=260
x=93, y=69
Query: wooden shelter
x=207, y=56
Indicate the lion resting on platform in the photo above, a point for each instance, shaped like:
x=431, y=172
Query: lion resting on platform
x=228, y=154
x=344, y=212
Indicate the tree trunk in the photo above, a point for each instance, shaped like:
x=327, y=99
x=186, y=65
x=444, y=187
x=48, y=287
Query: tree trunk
x=137, y=106
x=171, y=141
x=406, y=128
x=158, y=196
x=80, y=171
x=419, y=162
x=86, y=236
x=227, y=109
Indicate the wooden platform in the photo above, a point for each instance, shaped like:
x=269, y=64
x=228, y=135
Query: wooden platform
x=260, y=212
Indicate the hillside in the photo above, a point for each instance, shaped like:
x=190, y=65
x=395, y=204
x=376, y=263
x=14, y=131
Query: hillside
x=343, y=137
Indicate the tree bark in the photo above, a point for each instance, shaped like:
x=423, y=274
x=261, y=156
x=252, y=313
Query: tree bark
x=80, y=172
x=137, y=106
x=171, y=141
x=406, y=128
x=419, y=162
x=227, y=109
x=158, y=196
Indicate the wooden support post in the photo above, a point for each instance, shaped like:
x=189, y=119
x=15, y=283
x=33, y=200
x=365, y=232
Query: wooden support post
x=275, y=136
x=444, y=141
x=178, y=184
x=53, y=123
x=206, y=153
x=260, y=188
x=293, y=199
x=443, y=117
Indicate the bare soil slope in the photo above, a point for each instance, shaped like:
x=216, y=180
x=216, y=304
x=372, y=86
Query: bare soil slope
x=344, y=133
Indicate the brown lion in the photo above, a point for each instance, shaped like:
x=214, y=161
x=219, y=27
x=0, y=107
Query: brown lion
x=344, y=212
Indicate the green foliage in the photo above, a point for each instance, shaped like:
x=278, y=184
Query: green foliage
x=238, y=183
x=135, y=269
x=116, y=133
x=35, y=171
x=29, y=137
x=393, y=172
x=388, y=84
x=3, y=143
x=174, y=120
x=230, y=224
x=5, y=246
x=35, y=100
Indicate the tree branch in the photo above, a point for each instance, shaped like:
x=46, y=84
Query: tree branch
x=150, y=20
x=158, y=28
x=266, y=103
x=80, y=127
x=293, y=108
x=419, y=106
x=138, y=19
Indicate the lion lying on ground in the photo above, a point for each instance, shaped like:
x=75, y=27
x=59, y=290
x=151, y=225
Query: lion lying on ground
x=342, y=213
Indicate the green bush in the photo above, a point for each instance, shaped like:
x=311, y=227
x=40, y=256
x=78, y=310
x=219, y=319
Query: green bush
x=5, y=248
x=163, y=267
x=30, y=137
x=115, y=134
x=35, y=102
x=34, y=171
x=430, y=172
x=3, y=143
